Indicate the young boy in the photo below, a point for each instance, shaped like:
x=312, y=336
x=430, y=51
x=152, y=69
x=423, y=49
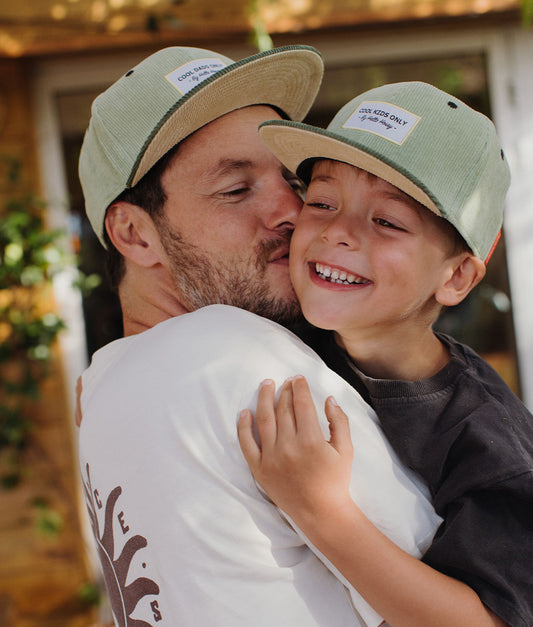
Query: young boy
x=403, y=210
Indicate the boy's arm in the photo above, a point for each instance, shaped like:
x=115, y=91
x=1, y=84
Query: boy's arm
x=308, y=478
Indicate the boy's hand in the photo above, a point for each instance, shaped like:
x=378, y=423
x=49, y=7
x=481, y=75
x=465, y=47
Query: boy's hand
x=300, y=470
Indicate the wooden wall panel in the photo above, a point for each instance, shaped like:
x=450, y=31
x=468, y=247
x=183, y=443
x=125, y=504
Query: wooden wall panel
x=40, y=575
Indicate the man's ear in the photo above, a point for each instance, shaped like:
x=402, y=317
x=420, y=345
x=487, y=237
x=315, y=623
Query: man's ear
x=133, y=233
x=465, y=272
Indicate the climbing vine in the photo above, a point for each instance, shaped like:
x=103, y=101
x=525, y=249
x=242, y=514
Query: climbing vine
x=30, y=256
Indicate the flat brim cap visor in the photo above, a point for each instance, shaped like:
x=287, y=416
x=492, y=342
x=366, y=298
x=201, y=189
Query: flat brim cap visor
x=298, y=146
x=145, y=113
x=427, y=143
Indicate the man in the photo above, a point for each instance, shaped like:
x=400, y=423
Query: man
x=196, y=212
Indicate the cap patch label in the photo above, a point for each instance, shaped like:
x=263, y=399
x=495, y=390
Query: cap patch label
x=383, y=119
x=190, y=74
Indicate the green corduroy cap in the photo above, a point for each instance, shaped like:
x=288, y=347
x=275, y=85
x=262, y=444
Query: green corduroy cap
x=427, y=143
x=173, y=93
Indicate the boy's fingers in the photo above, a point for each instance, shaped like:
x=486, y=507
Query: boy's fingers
x=249, y=447
x=339, y=427
x=265, y=416
x=305, y=412
x=285, y=412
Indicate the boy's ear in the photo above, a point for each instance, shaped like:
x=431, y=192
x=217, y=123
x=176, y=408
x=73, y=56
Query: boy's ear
x=133, y=233
x=465, y=272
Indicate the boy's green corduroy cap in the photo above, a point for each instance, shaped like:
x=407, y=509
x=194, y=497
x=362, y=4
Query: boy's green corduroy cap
x=427, y=143
x=173, y=93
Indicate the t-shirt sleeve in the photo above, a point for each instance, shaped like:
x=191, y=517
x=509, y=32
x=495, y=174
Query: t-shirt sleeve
x=481, y=476
x=486, y=541
x=485, y=495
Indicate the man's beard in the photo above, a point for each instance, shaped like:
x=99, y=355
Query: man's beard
x=200, y=281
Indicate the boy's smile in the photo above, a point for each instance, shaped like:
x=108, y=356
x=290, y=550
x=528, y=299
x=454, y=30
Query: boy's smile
x=338, y=276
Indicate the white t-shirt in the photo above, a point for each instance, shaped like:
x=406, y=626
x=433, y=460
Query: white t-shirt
x=185, y=536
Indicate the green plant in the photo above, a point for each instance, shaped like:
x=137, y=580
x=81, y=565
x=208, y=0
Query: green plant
x=90, y=594
x=30, y=255
x=259, y=36
x=527, y=12
x=48, y=521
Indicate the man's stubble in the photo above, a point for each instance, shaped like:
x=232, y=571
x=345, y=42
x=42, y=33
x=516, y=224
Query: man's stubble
x=240, y=282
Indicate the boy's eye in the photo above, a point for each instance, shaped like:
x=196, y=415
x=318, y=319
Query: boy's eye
x=387, y=224
x=320, y=205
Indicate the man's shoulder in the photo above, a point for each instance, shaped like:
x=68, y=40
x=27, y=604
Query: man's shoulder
x=212, y=317
x=217, y=348
x=216, y=327
x=215, y=334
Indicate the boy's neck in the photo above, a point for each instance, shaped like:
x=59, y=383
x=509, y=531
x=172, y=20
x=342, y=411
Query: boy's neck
x=399, y=358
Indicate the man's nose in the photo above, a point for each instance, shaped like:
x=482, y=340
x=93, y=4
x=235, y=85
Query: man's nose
x=284, y=206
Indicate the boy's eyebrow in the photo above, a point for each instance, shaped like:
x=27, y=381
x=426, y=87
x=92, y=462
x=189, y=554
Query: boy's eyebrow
x=397, y=194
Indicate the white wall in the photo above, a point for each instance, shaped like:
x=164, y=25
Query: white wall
x=511, y=75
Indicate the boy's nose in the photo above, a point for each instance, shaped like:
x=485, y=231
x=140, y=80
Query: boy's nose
x=341, y=230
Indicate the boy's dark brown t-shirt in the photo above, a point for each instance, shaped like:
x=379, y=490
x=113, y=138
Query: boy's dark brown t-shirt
x=471, y=440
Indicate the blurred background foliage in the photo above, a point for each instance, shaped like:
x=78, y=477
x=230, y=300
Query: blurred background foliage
x=527, y=12
x=31, y=255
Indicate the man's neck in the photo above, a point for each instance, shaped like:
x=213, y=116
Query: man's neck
x=147, y=298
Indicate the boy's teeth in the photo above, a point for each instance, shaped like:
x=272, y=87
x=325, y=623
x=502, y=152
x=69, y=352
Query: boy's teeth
x=336, y=276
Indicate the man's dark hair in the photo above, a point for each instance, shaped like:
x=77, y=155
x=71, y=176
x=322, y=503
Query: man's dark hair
x=149, y=195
